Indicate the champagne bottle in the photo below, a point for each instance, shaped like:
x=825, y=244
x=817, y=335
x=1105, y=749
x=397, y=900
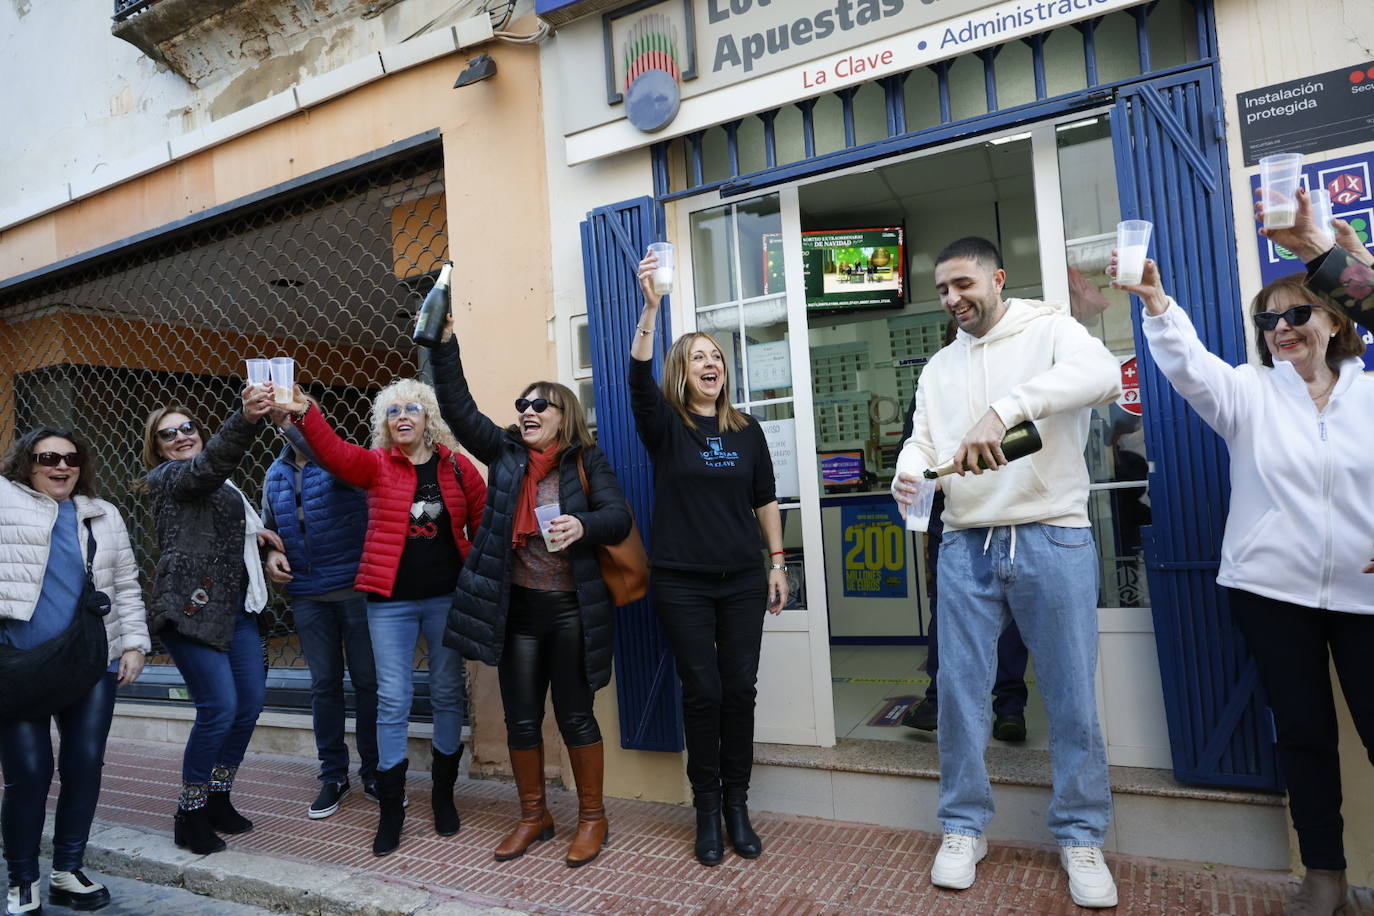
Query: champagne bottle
x=429, y=330
x=1021, y=440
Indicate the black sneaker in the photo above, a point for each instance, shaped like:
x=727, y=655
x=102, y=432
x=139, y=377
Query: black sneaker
x=370, y=793
x=1009, y=728
x=925, y=715
x=327, y=802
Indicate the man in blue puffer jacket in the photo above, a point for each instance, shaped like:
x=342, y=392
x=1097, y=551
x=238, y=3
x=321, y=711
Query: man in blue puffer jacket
x=322, y=520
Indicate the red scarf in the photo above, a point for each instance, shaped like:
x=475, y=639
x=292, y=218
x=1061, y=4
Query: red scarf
x=526, y=524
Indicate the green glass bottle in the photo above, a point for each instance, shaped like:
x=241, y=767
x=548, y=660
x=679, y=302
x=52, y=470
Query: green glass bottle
x=1021, y=440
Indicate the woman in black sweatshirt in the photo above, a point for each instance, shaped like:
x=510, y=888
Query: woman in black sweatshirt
x=713, y=498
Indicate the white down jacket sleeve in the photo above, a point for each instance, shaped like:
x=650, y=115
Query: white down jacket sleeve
x=115, y=572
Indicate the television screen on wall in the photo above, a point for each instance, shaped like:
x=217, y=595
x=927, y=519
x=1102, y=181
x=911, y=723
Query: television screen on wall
x=852, y=269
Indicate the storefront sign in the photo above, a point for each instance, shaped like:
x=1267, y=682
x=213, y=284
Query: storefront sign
x=874, y=549
x=782, y=446
x=769, y=53
x=1130, y=387
x=1348, y=178
x=1320, y=112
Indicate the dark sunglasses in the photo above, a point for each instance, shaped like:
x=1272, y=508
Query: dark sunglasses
x=188, y=429
x=1297, y=315
x=53, y=459
x=538, y=404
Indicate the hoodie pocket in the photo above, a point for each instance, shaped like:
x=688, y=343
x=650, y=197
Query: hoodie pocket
x=1257, y=531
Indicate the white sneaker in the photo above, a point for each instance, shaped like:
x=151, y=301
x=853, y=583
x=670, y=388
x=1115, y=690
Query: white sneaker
x=956, y=864
x=1090, y=882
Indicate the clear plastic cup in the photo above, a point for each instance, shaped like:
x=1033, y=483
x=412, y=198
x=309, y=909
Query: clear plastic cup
x=283, y=379
x=663, y=273
x=1279, y=178
x=546, y=515
x=259, y=372
x=918, y=513
x=1132, y=244
x=1322, y=215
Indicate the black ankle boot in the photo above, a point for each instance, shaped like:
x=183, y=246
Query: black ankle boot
x=444, y=772
x=743, y=839
x=391, y=797
x=192, y=830
x=710, y=846
x=224, y=818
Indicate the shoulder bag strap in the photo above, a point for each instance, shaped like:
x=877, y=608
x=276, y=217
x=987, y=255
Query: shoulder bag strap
x=90, y=550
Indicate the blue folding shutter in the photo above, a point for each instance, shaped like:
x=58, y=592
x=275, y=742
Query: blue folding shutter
x=1171, y=170
x=613, y=241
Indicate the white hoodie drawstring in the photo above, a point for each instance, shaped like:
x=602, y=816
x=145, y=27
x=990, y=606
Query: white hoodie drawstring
x=1011, y=554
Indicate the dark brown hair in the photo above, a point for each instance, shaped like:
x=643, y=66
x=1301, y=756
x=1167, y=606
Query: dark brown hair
x=17, y=463
x=152, y=457
x=574, y=427
x=1345, y=343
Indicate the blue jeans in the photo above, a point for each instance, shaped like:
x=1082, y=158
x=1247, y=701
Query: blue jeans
x=228, y=690
x=396, y=627
x=26, y=755
x=1044, y=578
x=330, y=631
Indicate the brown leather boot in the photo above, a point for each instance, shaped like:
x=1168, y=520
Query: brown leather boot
x=1322, y=893
x=536, y=823
x=589, y=766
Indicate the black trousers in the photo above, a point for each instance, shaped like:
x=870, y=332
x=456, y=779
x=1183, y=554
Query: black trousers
x=1294, y=647
x=27, y=758
x=715, y=625
x=544, y=648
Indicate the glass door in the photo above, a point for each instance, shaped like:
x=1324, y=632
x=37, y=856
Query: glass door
x=742, y=286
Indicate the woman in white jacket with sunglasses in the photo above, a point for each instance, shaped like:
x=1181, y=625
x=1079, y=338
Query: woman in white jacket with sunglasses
x=1299, y=533
x=50, y=514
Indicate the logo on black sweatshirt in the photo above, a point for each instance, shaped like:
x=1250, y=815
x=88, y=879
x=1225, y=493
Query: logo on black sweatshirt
x=718, y=457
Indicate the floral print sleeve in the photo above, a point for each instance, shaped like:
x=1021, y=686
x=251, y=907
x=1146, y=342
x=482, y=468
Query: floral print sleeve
x=1348, y=281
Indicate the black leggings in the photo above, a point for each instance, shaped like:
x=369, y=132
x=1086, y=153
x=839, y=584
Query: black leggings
x=26, y=755
x=1294, y=647
x=544, y=647
x=714, y=622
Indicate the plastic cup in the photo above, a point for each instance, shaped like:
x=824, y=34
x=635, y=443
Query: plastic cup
x=1279, y=177
x=259, y=372
x=546, y=515
x=1322, y=215
x=1132, y=244
x=918, y=513
x=283, y=379
x=663, y=273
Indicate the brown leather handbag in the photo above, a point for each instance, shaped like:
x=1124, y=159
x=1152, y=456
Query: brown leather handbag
x=624, y=566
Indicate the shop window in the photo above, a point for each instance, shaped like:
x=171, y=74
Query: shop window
x=828, y=118
x=870, y=113
x=749, y=138
x=968, y=94
x=787, y=127
x=713, y=274
x=921, y=99
x=715, y=155
x=1173, y=34
x=1015, y=63
x=582, y=367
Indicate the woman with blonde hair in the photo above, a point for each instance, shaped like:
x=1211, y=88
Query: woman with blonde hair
x=714, y=509
x=424, y=503
x=539, y=611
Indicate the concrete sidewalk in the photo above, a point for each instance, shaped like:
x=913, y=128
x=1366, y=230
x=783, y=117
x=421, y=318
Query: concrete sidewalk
x=292, y=864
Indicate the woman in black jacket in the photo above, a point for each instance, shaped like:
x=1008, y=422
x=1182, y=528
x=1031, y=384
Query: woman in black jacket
x=207, y=592
x=715, y=509
x=538, y=611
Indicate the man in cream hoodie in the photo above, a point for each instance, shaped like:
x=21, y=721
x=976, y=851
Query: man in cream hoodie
x=1017, y=546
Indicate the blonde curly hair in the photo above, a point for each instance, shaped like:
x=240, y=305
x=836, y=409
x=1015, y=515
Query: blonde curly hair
x=404, y=391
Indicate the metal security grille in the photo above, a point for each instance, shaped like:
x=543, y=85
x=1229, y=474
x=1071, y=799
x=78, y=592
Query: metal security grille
x=329, y=273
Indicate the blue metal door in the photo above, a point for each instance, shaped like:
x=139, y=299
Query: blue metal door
x=1171, y=168
x=613, y=241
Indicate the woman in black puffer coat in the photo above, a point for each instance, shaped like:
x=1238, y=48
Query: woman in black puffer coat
x=536, y=607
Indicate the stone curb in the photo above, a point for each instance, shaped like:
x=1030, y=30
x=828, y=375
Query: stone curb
x=264, y=881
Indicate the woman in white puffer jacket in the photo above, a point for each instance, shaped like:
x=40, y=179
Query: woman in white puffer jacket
x=1299, y=532
x=46, y=500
